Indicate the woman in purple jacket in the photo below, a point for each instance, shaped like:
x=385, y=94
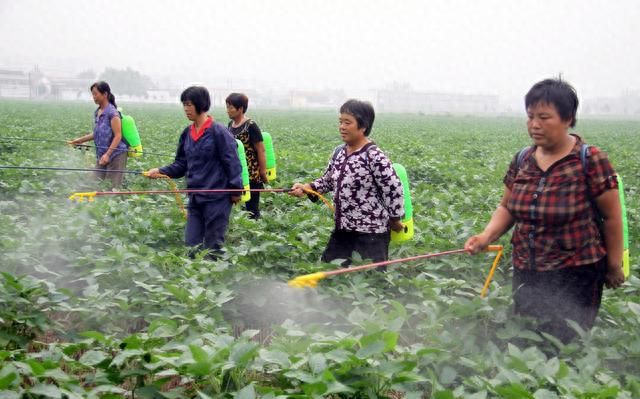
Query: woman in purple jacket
x=367, y=193
x=111, y=150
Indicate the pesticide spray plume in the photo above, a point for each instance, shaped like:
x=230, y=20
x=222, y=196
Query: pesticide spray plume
x=311, y=280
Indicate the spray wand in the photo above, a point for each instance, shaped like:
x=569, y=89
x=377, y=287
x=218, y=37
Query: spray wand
x=79, y=146
x=90, y=195
x=71, y=169
x=311, y=280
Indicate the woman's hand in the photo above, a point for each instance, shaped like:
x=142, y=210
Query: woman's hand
x=476, y=244
x=263, y=175
x=396, y=225
x=104, y=159
x=235, y=199
x=153, y=173
x=81, y=140
x=298, y=189
x=614, y=277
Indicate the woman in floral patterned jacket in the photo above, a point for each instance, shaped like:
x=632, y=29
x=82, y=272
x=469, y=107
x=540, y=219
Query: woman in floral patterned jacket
x=367, y=192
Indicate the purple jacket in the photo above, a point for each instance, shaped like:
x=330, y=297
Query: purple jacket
x=102, y=133
x=367, y=191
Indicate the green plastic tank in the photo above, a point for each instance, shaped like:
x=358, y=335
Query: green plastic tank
x=625, y=230
x=131, y=135
x=270, y=155
x=246, y=196
x=407, y=233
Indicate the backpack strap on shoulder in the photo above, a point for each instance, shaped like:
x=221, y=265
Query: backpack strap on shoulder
x=522, y=155
x=584, y=153
x=336, y=152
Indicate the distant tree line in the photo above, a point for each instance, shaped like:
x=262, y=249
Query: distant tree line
x=127, y=81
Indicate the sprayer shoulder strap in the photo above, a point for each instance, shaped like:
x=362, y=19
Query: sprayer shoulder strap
x=584, y=153
x=337, y=151
x=522, y=154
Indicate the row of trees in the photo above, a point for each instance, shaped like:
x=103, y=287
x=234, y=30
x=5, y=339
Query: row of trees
x=126, y=81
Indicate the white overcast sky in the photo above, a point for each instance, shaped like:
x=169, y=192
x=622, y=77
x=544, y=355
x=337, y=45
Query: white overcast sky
x=471, y=46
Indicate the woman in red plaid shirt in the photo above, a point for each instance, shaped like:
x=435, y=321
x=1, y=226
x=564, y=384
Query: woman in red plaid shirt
x=561, y=260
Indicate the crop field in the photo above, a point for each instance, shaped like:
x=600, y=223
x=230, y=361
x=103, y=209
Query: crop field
x=100, y=299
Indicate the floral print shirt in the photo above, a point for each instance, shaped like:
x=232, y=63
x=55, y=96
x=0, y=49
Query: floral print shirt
x=366, y=189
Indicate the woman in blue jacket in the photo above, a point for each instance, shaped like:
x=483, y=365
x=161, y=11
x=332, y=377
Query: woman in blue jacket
x=207, y=156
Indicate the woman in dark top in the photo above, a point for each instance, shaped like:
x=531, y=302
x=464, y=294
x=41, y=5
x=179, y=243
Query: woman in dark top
x=248, y=132
x=561, y=259
x=207, y=155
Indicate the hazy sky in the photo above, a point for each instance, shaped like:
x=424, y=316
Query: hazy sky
x=496, y=47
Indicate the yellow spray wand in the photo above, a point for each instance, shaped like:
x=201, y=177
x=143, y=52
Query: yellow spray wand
x=311, y=280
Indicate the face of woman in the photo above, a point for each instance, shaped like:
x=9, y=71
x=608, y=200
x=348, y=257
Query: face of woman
x=546, y=127
x=349, y=130
x=233, y=112
x=98, y=97
x=189, y=110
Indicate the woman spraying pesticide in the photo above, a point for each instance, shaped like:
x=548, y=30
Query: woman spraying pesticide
x=111, y=150
x=207, y=155
x=368, y=194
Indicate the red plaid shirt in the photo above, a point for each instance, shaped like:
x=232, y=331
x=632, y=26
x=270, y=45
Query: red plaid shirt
x=555, y=223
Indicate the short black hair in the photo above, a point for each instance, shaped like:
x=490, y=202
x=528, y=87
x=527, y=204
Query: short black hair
x=238, y=100
x=362, y=111
x=199, y=97
x=555, y=92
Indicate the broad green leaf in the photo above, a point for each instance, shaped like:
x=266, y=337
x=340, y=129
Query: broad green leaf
x=274, y=356
x=247, y=392
x=545, y=394
x=514, y=391
x=199, y=354
x=93, y=357
x=243, y=352
x=46, y=390
x=317, y=363
x=448, y=375
x=374, y=348
x=163, y=328
x=8, y=376
x=444, y=395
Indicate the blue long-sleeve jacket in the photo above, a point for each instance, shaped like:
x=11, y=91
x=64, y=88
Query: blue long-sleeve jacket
x=210, y=163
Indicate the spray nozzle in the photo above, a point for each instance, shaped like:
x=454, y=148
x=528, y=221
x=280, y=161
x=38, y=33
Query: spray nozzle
x=307, y=281
x=80, y=197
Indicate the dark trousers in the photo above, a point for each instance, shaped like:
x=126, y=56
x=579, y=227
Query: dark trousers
x=554, y=296
x=342, y=244
x=253, y=205
x=207, y=223
x=119, y=162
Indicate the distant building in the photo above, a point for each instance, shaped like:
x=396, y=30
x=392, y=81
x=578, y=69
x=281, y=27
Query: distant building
x=14, y=84
x=392, y=100
x=316, y=99
x=70, y=89
x=161, y=96
x=627, y=104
